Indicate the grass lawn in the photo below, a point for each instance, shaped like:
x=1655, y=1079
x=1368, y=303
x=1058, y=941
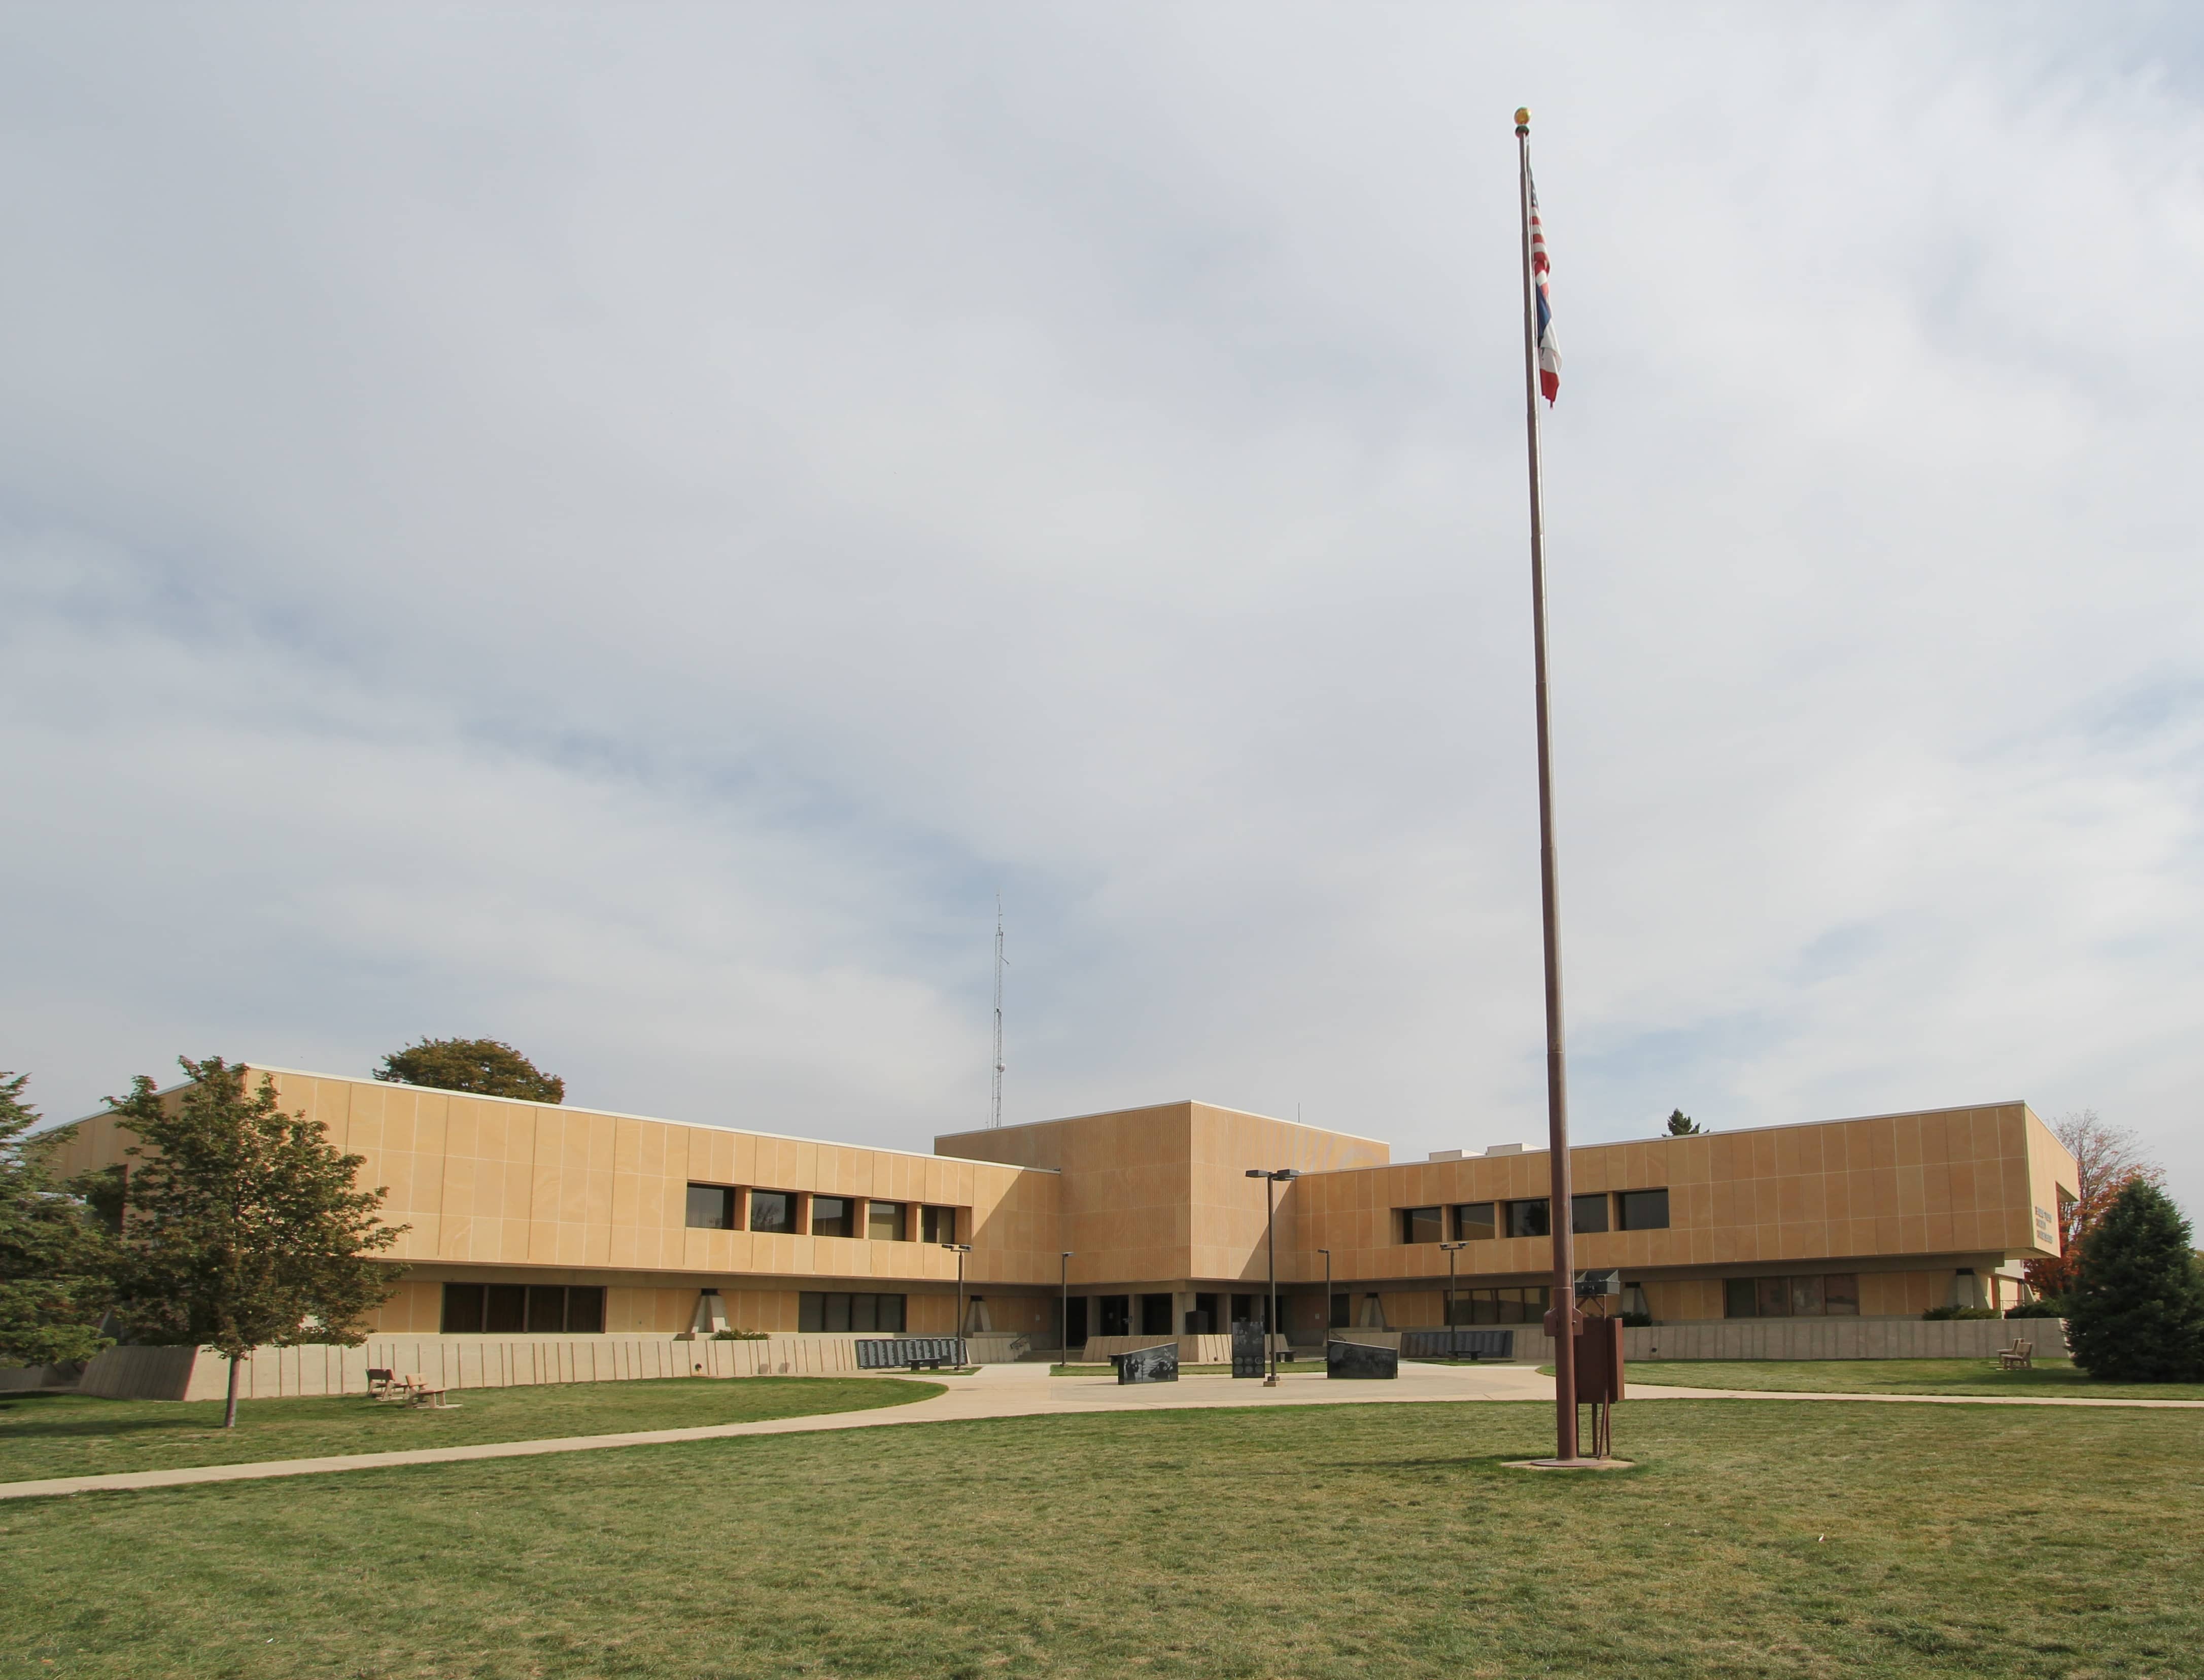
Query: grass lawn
x=1898, y=1376
x=45, y=1435
x=1756, y=1539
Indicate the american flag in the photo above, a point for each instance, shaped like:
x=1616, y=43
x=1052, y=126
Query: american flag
x=1549, y=352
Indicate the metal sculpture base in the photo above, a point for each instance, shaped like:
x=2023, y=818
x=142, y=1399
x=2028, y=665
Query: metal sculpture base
x=1569, y=1464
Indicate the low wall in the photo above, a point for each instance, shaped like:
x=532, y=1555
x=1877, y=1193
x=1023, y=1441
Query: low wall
x=458, y=1362
x=1192, y=1350
x=1805, y=1339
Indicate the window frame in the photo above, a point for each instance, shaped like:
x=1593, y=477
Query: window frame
x=1624, y=1200
x=1464, y=1231
x=725, y=1193
x=1411, y=1218
x=1543, y=1216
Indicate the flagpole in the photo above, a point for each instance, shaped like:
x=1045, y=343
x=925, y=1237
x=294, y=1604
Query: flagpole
x=1560, y=1322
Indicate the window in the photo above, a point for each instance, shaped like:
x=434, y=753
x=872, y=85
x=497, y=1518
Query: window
x=1500, y=1306
x=818, y=1313
x=1530, y=1219
x=1419, y=1225
x=1472, y=1221
x=1831, y=1294
x=1587, y=1212
x=1155, y=1315
x=833, y=1217
x=1643, y=1210
x=1117, y=1312
x=1075, y=1322
x=514, y=1309
x=939, y=1225
x=1202, y=1320
x=887, y=1221
x=771, y=1210
x=1342, y=1306
x=711, y=1207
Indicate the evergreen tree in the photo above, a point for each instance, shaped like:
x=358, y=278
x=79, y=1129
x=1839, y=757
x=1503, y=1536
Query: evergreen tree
x=484, y=1067
x=1681, y=1125
x=2136, y=1310
x=241, y=1226
x=54, y=1255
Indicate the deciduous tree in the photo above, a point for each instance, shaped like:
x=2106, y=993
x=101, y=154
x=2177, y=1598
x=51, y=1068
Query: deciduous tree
x=485, y=1067
x=2135, y=1312
x=2106, y=1160
x=54, y=1256
x=242, y=1226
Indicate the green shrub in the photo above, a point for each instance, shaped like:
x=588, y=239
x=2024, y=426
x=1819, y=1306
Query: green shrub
x=1939, y=1313
x=1637, y=1321
x=740, y=1335
x=2047, y=1307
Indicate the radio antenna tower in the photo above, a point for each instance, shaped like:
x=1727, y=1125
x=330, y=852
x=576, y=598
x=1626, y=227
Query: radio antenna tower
x=995, y=1108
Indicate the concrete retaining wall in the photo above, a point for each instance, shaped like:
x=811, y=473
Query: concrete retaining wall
x=458, y=1362
x=1822, y=1338
x=1192, y=1350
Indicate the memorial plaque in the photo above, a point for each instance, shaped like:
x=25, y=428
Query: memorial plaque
x=1353, y=1359
x=1248, y=1347
x=1147, y=1365
x=887, y=1352
x=1458, y=1344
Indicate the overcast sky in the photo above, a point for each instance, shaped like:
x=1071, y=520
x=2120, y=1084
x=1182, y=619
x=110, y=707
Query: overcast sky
x=621, y=530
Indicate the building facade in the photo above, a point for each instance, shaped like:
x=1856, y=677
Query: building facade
x=526, y=1218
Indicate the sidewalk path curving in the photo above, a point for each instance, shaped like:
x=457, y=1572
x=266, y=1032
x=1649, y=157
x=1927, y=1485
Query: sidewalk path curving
x=1019, y=1391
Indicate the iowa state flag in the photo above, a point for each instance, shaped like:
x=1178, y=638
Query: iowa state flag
x=1542, y=274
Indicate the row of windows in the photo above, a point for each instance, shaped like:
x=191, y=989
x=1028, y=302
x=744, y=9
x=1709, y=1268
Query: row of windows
x=1832, y=1294
x=712, y=1207
x=1475, y=1222
x=523, y=1308
x=819, y=1313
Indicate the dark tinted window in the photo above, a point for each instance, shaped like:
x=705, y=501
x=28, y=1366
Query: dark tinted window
x=1587, y=1212
x=939, y=1225
x=1116, y=1311
x=1155, y=1315
x=547, y=1309
x=711, y=1207
x=1530, y=1219
x=1737, y=1298
x=1840, y=1294
x=1342, y=1304
x=833, y=1217
x=1643, y=1210
x=585, y=1311
x=1420, y=1225
x=1472, y=1221
x=462, y=1309
x=886, y=1222
x=505, y=1308
x=1771, y=1298
x=818, y=1313
x=771, y=1210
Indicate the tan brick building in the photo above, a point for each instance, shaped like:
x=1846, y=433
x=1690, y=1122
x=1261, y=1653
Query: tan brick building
x=525, y=1218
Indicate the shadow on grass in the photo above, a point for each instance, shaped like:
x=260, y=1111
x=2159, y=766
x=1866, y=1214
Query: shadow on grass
x=71, y=1421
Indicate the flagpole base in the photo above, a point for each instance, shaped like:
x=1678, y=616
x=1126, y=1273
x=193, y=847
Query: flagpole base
x=1570, y=1463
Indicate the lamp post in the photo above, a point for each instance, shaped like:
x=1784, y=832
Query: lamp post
x=1064, y=1331
x=1452, y=1249
x=960, y=1249
x=1272, y=1182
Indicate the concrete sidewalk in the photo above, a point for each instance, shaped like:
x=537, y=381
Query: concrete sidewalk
x=1023, y=1391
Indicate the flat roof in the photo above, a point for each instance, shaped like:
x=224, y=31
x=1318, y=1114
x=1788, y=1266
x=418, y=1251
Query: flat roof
x=606, y=1114
x=1168, y=1102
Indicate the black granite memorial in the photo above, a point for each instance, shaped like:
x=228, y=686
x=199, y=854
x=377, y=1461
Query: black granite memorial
x=886, y=1353
x=1352, y=1359
x=1147, y=1365
x=1457, y=1344
x=1247, y=1347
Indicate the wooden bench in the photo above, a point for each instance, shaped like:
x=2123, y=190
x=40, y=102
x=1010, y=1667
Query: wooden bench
x=2020, y=1356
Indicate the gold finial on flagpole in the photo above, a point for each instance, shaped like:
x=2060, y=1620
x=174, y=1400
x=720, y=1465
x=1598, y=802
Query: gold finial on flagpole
x=1523, y=119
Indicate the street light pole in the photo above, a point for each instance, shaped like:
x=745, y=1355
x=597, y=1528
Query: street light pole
x=1452, y=1249
x=1064, y=1331
x=960, y=1249
x=1272, y=1181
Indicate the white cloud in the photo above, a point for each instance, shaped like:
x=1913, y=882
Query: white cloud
x=618, y=531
